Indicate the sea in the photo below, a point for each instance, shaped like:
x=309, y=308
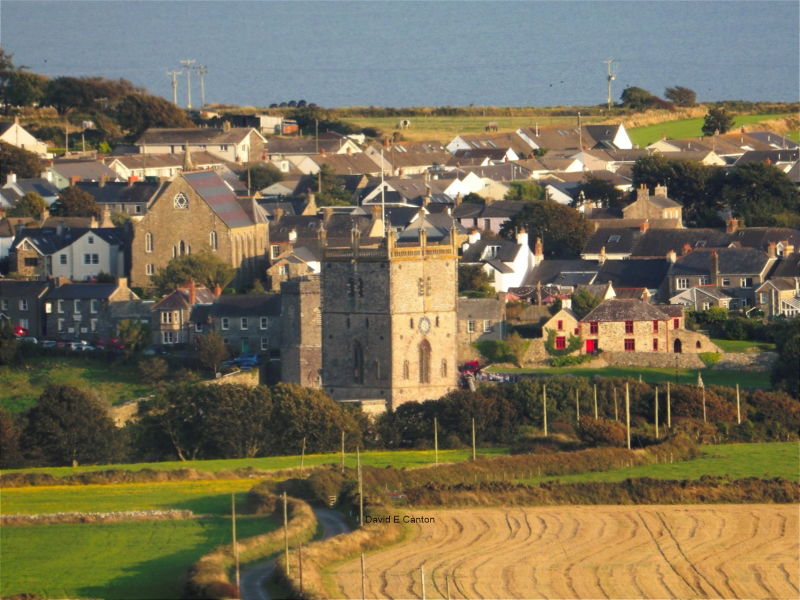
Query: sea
x=342, y=53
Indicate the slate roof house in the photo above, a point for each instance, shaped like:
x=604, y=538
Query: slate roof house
x=22, y=303
x=247, y=323
x=15, y=188
x=171, y=321
x=130, y=197
x=234, y=144
x=507, y=262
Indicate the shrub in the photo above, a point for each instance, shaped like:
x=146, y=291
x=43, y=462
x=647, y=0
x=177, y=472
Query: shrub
x=710, y=358
x=573, y=343
x=566, y=361
x=602, y=432
x=153, y=369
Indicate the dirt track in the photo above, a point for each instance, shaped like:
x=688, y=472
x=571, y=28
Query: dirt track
x=709, y=551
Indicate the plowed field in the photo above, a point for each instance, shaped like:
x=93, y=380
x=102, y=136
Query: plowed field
x=719, y=551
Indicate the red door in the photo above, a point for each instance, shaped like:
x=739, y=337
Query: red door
x=591, y=346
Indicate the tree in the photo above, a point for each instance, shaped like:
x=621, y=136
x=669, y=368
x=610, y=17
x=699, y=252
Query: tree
x=694, y=185
x=139, y=112
x=563, y=230
x=10, y=441
x=583, y=303
x=474, y=282
x=69, y=427
x=21, y=162
x=69, y=93
x=717, y=121
x=474, y=198
x=636, y=98
x=681, y=96
x=261, y=175
x=134, y=335
x=240, y=425
x=759, y=192
x=204, y=267
x=75, y=202
x=602, y=192
x=211, y=350
x=785, y=374
x=330, y=191
x=175, y=417
x=8, y=342
x=153, y=369
x=524, y=191
x=30, y=205
x=25, y=89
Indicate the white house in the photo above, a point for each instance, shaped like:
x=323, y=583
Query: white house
x=507, y=262
x=16, y=135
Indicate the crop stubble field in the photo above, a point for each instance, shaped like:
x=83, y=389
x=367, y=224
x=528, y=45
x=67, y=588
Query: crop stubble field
x=708, y=551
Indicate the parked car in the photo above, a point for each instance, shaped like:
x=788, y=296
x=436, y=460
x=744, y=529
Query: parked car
x=244, y=361
x=49, y=343
x=110, y=344
x=29, y=339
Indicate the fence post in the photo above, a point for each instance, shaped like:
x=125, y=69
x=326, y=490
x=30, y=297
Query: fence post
x=628, y=414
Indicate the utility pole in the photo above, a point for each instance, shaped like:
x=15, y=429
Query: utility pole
x=656, y=412
x=342, y=450
x=201, y=73
x=611, y=77
x=628, y=414
x=174, y=75
x=187, y=66
x=595, y=401
x=286, y=532
x=544, y=409
x=360, y=489
x=473, y=439
x=235, y=544
x=435, y=440
x=303, y=457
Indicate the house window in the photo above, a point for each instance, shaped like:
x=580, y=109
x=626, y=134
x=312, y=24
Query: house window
x=275, y=251
x=655, y=345
x=137, y=209
x=180, y=201
x=487, y=326
x=470, y=326
x=676, y=323
x=561, y=325
x=406, y=370
x=628, y=326
x=655, y=326
x=24, y=323
x=148, y=242
x=90, y=239
x=93, y=305
x=62, y=259
x=726, y=282
x=682, y=283
x=198, y=327
x=561, y=342
x=76, y=306
x=262, y=322
x=224, y=323
x=358, y=363
x=4, y=304
x=91, y=259
x=746, y=282
x=444, y=367
x=93, y=324
x=166, y=317
x=264, y=344
x=149, y=269
x=630, y=345
x=167, y=337
x=762, y=298
x=60, y=325
x=224, y=148
x=31, y=262
x=593, y=327
x=420, y=287
x=706, y=305
x=243, y=323
x=23, y=304
x=60, y=306
x=703, y=280
x=212, y=240
x=283, y=270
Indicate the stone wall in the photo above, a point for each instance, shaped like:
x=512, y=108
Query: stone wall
x=653, y=359
x=250, y=378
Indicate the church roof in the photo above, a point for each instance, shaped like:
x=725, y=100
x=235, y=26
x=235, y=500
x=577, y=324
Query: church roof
x=211, y=188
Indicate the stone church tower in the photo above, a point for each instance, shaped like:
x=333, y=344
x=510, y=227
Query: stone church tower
x=389, y=320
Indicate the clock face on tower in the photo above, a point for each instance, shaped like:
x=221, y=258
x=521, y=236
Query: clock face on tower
x=424, y=325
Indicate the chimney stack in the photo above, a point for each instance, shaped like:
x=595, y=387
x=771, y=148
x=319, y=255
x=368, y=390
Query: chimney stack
x=218, y=290
x=277, y=215
x=11, y=178
x=686, y=249
x=132, y=179
x=731, y=225
x=192, y=292
x=661, y=190
x=103, y=181
x=672, y=257
x=74, y=180
x=602, y=258
x=538, y=250
x=105, y=216
x=772, y=250
x=642, y=192
x=644, y=226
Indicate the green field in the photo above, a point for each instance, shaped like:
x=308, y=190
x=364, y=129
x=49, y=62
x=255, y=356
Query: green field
x=745, y=379
x=20, y=386
x=395, y=458
x=744, y=346
x=764, y=460
x=686, y=128
x=137, y=560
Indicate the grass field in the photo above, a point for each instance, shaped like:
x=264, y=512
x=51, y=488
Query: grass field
x=685, y=128
x=765, y=460
x=117, y=384
x=723, y=551
x=745, y=379
x=396, y=458
x=744, y=346
x=137, y=560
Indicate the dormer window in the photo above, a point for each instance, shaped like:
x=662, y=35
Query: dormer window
x=700, y=244
x=491, y=251
x=180, y=201
x=613, y=239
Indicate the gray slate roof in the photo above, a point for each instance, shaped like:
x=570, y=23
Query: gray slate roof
x=626, y=310
x=732, y=261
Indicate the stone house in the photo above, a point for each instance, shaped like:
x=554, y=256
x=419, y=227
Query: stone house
x=22, y=303
x=198, y=211
x=301, y=332
x=779, y=296
x=657, y=205
x=564, y=324
x=479, y=320
x=627, y=325
x=83, y=310
x=171, y=317
x=247, y=323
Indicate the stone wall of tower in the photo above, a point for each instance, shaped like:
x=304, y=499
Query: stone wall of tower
x=301, y=336
x=389, y=323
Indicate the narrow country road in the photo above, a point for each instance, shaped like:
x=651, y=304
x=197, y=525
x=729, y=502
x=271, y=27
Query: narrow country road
x=253, y=579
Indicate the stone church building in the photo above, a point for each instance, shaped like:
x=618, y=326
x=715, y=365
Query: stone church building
x=198, y=211
x=389, y=323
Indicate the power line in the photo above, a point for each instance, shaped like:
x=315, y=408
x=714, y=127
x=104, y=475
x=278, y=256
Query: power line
x=187, y=66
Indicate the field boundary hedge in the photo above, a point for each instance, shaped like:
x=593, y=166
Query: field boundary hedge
x=104, y=517
x=209, y=577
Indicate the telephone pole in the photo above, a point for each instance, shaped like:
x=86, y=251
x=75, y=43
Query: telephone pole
x=201, y=73
x=174, y=75
x=187, y=66
x=611, y=77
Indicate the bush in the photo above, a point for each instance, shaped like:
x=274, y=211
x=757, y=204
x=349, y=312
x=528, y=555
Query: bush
x=710, y=358
x=602, y=432
x=570, y=360
x=153, y=369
